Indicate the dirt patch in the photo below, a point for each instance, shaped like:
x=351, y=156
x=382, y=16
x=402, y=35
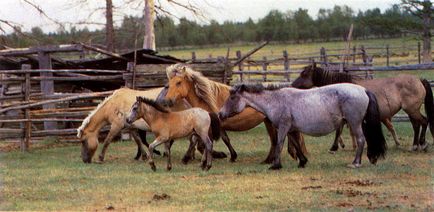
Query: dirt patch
x=160, y=197
x=354, y=193
x=361, y=183
x=8, y=147
x=311, y=187
x=344, y=204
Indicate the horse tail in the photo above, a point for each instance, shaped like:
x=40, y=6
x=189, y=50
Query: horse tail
x=215, y=126
x=429, y=102
x=377, y=145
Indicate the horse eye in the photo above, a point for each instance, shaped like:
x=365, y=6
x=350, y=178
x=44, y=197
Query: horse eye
x=178, y=83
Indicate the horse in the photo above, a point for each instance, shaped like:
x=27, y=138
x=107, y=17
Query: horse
x=316, y=112
x=404, y=91
x=199, y=91
x=168, y=126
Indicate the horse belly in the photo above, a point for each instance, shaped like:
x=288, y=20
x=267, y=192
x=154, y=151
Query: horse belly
x=319, y=124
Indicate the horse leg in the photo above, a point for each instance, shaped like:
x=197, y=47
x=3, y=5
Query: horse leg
x=416, y=128
x=170, y=146
x=281, y=135
x=360, y=138
x=388, y=123
x=335, y=145
x=353, y=139
x=292, y=151
x=139, y=141
x=114, y=130
x=207, y=157
x=150, y=151
x=167, y=146
x=227, y=142
x=296, y=138
x=272, y=132
x=215, y=154
x=142, y=136
x=190, y=152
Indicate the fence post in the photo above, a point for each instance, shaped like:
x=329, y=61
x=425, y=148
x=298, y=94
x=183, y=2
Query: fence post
x=418, y=52
x=47, y=86
x=25, y=142
x=193, y=57
x=364, y=56
x=264, y=67
x=286, y=65
x=323, y=54
x=131, y=69
x=387, y=55
x=240, y=65
x=354, y=54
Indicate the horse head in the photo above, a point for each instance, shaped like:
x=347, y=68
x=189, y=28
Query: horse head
x=305, y=80
x=234, y=104
x=179, y=83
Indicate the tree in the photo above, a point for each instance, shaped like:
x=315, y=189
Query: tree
x=423, y=10
x=109, y=28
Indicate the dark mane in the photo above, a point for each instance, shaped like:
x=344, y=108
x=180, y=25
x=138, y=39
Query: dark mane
x=255, y=88
x=321, y=77
x=157, y=105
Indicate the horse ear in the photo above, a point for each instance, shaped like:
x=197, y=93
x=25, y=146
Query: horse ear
x=139, y=98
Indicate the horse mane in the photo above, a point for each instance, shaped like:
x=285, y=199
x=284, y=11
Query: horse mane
x=256, y=88
x=206, y=89
x=86, y=121
x=321, y=77
x=157, y=105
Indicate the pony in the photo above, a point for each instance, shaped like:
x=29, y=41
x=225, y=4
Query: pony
x=404, y=91
x=315, y=112
x=199, y=91
x=168, y=126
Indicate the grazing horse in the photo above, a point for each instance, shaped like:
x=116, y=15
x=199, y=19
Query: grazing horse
x=168, y=126
x=199, y=91
x=315, y=112
x=404, y=91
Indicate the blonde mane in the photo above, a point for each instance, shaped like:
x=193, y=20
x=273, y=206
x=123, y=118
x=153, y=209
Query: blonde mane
x=205, y=89
x=86, y=121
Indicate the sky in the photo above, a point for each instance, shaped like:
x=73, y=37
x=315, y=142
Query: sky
x=221, y=10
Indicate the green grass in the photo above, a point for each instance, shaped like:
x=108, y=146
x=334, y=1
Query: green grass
x=56, y=179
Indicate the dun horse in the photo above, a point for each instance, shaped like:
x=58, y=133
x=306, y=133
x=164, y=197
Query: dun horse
x=404, y=91
x=113, y=111
x=315, y=112
x=168, y=126
x=184, y=83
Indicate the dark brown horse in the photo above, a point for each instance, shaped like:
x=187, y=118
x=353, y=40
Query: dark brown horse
x=404, y=92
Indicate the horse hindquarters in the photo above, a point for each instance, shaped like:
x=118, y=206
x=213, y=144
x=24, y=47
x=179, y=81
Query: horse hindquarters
x=377, y=145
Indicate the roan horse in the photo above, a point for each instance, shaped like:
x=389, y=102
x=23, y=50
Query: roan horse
x=168, y=126
x=404, y=91
x=199, y=91
x=315, y=112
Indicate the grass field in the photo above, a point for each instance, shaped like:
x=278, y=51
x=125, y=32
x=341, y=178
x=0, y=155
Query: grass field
x=57, y=179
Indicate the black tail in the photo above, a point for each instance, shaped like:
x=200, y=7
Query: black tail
x=429, y=102
x=377, y=145
x=215, y=126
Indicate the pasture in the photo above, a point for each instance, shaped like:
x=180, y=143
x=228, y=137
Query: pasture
x=57, y=179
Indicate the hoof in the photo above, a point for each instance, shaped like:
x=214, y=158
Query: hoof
x=275, y=167
x=207, y=168
x=267, y=161
x=169, y=168
x=354, y=166
x=424, y=147
x=414, y=148
x=185, y=160
x=302, y=163
x=332, y=152
x=343, y=146
x=153, y=167
x=137, y=157
x=219, y=155
x=101, y=158
x=397, y=144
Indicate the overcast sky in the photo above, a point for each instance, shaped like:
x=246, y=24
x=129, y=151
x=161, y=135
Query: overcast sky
x=220, y=10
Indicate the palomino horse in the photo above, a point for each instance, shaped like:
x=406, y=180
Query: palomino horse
x=315, y=112
x=404, y=91
x=199, y=91
x=168, y=126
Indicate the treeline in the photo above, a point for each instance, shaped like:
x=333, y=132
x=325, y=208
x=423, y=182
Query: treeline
x=291, y=26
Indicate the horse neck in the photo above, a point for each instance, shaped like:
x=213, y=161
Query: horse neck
x=221, y=93
x=96, y=122
x=152, y=115
x=261, y=101
x=322, y=77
